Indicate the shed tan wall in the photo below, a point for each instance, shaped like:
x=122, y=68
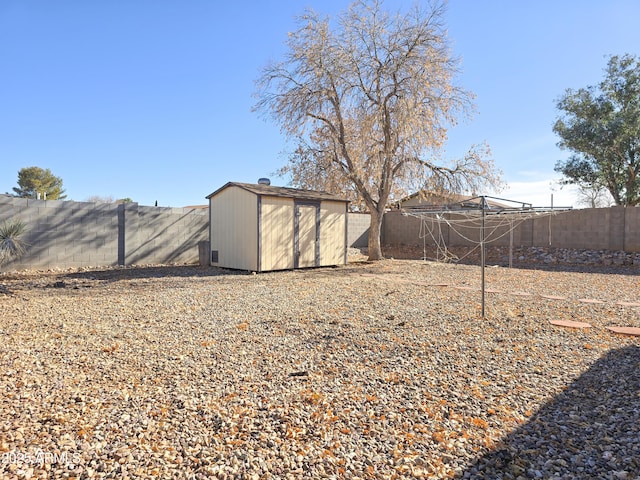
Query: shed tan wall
x=237, y=242
x=259, y=235
x=333, y=225
x=276, y=233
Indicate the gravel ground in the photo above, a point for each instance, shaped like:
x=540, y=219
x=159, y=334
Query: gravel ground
x=371, y=370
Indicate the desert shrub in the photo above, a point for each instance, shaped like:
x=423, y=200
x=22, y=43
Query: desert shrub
x=11, y=243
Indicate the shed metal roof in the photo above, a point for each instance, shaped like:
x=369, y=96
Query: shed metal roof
x=269, y=190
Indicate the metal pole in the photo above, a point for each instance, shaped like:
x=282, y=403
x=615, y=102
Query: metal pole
x=482, y=260
x=550, y=220
x=511, y=245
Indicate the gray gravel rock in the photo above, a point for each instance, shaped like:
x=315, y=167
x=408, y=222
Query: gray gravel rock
x=371, y=370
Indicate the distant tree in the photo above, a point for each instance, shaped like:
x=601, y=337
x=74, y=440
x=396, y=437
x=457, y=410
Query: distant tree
x=313, y=171
x=99, y=199
x=34, y=181
x=107, y=199
x=368, y=100
x=601, y=125
x=593, y=196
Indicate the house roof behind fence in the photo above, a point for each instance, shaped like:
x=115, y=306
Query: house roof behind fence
x=272, y=191
x=432, y=199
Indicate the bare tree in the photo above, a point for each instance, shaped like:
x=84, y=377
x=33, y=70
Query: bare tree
x=99, y=199
x=107, y=199
x=369, y=100
x=594, y=196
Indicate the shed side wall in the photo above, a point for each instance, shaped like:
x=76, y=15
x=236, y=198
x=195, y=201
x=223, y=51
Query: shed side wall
x=276, y=233
x=234, y=229
x=333, y=224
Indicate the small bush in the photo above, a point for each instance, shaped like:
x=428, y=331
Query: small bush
x=11, y=244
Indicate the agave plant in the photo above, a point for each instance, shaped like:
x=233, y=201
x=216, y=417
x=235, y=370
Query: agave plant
x=11, y=244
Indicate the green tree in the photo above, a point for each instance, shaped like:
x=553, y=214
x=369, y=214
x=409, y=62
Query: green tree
x=34, y=181
x=368, y=99
x=601, y=126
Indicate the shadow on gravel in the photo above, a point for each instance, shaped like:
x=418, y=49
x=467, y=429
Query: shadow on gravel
x=10, y=283
x=590, y=430
x=85, y=278
x=133, y=273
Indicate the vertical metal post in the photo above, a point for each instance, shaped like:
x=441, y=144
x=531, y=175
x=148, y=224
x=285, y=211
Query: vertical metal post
x=511, y=245
x=550, y=220
x=482, y=259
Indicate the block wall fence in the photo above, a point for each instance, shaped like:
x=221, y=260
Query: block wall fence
x=358, y=229
x=67, y=234
x=615, y=228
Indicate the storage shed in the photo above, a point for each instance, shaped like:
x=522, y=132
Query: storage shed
x=259, y=227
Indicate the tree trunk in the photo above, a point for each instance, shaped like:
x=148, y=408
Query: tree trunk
x=375, y=229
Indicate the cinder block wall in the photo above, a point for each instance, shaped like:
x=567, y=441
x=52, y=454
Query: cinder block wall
x=588, y=228
x=358, y=229
x=615, y=228
x=167, y=235
x=63, y=234
x=400, y=230
x=66, y=234
x=632, y=230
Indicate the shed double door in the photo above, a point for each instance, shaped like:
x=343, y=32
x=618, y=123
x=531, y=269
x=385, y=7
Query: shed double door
x=307, y=235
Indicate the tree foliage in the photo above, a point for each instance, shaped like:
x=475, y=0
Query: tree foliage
x=99, y=199
x=601, y=126
x=368, y=100
x=593, y=196
x=34, y=181
x=107, y=199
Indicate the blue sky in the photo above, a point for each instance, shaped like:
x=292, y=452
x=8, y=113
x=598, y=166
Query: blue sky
x=151, y=99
